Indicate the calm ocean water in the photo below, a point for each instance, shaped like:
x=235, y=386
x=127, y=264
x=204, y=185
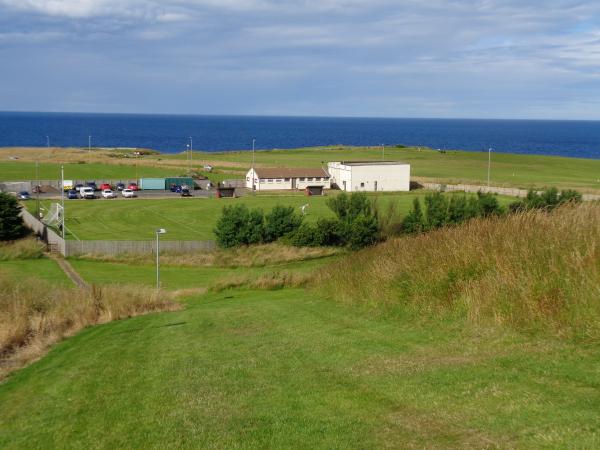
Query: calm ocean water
x=169, y=133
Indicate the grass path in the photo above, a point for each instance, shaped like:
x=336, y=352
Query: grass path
x=282, y=369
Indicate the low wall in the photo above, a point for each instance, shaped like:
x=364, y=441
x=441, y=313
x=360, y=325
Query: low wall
x=109, y=248
x=513, y=192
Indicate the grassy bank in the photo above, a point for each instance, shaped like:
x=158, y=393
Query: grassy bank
x=534, y=270
x=285, y=369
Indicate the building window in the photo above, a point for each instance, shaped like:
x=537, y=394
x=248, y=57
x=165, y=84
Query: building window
x=309, y=179
x=287, y=179
x=262, y=180
x=302, y=179
x=270, y=180
x=362, y=184
x=317, y=178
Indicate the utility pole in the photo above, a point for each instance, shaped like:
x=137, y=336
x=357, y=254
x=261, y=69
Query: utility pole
x=253, y=171
x=62, y=199
x=489, y=164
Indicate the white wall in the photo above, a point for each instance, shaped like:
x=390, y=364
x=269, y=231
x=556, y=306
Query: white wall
x=371, y=177
x=280, y=183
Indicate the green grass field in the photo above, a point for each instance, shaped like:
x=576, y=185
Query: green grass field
x=284, y=369
x=453, y=166
x=186, y=219
x=39, y=268
x=23, y=170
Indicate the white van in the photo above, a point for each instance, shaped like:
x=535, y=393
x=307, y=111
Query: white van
x=87, y=192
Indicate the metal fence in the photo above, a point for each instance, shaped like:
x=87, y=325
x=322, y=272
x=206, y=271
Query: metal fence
x=109, y=248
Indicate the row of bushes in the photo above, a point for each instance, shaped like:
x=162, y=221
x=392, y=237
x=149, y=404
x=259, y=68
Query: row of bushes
x=548, y=199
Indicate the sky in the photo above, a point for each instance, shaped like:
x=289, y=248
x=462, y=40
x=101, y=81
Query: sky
x=375, y=58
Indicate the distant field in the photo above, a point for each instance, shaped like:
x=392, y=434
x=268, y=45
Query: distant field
x=23, y=170
x=186, y=219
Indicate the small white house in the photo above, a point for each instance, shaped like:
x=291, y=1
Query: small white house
x=261, y=179
x=371, y=176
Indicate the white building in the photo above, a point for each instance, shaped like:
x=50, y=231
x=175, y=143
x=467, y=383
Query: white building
x=287, y=178
x=372, y=176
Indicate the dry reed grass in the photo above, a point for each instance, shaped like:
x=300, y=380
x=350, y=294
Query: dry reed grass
x=269, y=281
x=34, y=314
x=250, y=256
x=534, y=270
x=28, y=248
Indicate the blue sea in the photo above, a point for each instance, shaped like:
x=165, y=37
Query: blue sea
x=171, y=133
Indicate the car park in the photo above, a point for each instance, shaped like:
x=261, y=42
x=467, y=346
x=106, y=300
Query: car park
x=87, y=193
x=133, y=187
x=120, y=186
x=72, y=194
x=24, y=195
x=128, y=193
x=108, y=193
x=105, y=186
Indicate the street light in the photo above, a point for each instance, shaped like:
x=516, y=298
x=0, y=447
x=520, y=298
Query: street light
x=191, y=150
x=383, y=152
x=489, y=164
x=158, y=233
x=48, y=141
x=89, y=143
x=62, y=199
x=253, y=172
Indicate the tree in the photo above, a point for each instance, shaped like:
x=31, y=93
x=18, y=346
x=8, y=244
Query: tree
x=488, y=205
x=363, y=231
x=11, y=223
x=414, y=222
x=281, y=221
x=457, y=209
x=437, y=210
x=239, y=226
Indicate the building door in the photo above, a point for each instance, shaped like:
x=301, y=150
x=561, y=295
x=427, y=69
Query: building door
x=376, y=185
x=293, y=183
x=344, y=183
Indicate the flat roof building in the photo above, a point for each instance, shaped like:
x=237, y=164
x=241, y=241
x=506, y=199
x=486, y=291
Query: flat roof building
x=373, y=176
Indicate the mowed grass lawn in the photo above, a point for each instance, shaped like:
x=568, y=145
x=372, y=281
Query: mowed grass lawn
x=39, y=269
x=22, y=170
x=452, y=166
x=187, y=219
x=285, y=369
x=179, y=277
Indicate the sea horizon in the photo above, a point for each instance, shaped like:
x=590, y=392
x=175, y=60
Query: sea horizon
x=170, y=133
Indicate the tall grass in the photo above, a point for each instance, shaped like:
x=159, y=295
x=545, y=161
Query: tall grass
x=28, y=248
x=35, y=314
x=533, y=270
x=245, y=256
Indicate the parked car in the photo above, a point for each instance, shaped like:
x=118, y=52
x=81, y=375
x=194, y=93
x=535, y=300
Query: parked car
x=72, y=194
x=78, y=187
x=108, y=193
x=105, y=186
x=128, y=193
x=67, y=185
x=24, y=195
x=185, y=192
x=120, y=186
x=92, y=184
x=87, y=193
x=133, y=187
x=174, y=188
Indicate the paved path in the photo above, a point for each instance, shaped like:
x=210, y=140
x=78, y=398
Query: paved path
x=67, y=268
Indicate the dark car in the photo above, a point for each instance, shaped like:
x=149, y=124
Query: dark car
x=92, y=184
x=175, y=188
x=185, y=192
x=24, y=195
x=72, y=194
x=78, y=186
x=120, y=186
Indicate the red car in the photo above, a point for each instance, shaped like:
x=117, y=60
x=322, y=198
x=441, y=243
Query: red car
x=104, y=186
x=133, y=187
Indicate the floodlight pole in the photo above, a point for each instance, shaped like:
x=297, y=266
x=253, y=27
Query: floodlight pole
x=37, y=189
x=489, y=165
x=158, y=233
x=62, y=199
x=383, y=152
x=253, y=171
x=191, y=150
x=48, y=141
x=89, y=143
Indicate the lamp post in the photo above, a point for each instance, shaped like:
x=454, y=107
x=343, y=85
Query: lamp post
x=158, y=233
x=191, y=150
x=383, y=152
x=253, y=172
x=489, y=165
x=62, y=200
x=187, y=157
x=48, y=141
x=89, y=143
x=37, y=189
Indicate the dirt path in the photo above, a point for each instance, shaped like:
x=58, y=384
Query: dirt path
x=70, y=272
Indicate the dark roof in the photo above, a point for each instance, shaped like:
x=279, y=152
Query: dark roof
x=285, y=172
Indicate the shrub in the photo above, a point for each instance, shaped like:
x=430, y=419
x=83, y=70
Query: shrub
x=305, y=236
x=281, y=221
x=414, y=222
x=239, y=226
x=488, y=205
x=436, y=206
x=362, y=232
x=548, y=199
x=11, y=223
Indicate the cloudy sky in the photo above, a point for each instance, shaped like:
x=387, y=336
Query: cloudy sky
x=386, y=58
